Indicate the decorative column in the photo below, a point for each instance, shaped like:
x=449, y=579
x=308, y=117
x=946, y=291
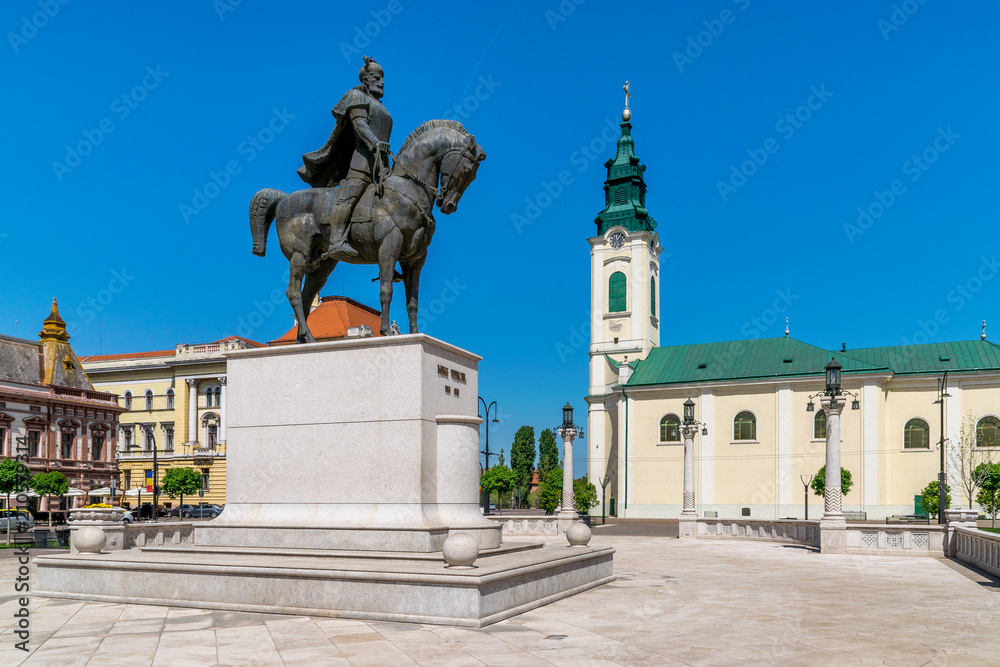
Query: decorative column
x=568, y=497
x=689, y=515
x=688, y=525
x=833, y=526
x=222, y=410
x=192, y=412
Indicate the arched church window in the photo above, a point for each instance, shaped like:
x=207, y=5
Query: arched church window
x=988, y=432
x=745, y=426
x=819, y=425
x=616, y=292
x=652, y=297
x=916, y=435
x=128, y=400
x=670, y=429
x=149, y=399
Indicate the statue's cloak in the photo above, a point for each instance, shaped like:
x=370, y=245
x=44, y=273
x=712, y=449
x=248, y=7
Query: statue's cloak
x=326, y=167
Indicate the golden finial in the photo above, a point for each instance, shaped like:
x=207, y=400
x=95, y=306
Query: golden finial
x=627, y=113
x=787, y=331
x=982, y=336
x=54, y=328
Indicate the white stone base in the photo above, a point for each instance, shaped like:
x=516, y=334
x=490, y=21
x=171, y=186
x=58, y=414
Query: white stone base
x=687, y=528
x=369, y=444
x=833, y=536
x=413, y=587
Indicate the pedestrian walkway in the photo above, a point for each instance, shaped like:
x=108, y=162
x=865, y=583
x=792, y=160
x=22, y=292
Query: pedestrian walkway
x=694, y=603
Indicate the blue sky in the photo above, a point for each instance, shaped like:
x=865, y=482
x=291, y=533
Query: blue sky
x=212, y=83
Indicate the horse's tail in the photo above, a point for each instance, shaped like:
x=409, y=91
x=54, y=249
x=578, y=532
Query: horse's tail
x=262, y=210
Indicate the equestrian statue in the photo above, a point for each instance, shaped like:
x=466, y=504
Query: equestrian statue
x=361, y=210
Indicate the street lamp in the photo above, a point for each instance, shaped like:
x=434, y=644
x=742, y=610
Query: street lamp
x=484, y=495
x=943, y=474
x=604, y=487
x=689, y=514
x=568, y=430
x=156, y=488
x=806, y=483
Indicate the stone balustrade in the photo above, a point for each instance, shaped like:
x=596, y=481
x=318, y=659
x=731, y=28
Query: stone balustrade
x=979, y=548
x=772, y=530
x=895, y=540
x=527, y=525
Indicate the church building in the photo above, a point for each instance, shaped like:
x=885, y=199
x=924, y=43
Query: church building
x=764, y=432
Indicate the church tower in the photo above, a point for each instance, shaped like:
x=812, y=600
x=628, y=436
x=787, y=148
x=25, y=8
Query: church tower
x=625, y=265
x=624, y=309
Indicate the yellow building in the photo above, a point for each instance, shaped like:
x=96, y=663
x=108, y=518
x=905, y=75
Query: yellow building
x=175, y=402
x=762, y=440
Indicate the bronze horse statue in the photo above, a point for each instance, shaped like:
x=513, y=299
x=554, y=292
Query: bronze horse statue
x=394, y=227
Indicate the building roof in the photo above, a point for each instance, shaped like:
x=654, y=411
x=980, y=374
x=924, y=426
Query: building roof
x=162, y=353
x=933, y=358
x=740, y=360
x=333, y=317
x=48, y=362
x=787, y=357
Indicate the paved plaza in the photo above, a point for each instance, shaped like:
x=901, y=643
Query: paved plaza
x=693, y=603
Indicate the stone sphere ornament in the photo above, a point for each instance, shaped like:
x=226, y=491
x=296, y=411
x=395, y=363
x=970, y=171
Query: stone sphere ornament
x=460, y=551
x=578, y=534
x=89, y=540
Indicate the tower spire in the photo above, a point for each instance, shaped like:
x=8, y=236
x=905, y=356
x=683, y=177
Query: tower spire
x=54, y=328
x=625, y=186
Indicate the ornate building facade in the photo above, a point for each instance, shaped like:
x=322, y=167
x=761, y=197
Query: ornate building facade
x=175, y=403
x=51, y=413
x=764, y=435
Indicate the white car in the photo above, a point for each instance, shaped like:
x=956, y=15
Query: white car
x=20, y=521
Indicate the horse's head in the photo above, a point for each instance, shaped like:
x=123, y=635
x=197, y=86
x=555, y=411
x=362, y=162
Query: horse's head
x=458, y=170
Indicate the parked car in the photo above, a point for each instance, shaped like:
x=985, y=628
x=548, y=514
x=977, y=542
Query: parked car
x=19, y=520
x=204, y=510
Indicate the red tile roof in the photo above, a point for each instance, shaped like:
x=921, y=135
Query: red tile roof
x=333, y=317
x=128, y=355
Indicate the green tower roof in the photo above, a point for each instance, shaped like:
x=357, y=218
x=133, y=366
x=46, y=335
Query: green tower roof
x=625, y=190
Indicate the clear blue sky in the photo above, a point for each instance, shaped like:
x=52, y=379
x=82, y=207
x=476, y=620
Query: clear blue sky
x=106, y=234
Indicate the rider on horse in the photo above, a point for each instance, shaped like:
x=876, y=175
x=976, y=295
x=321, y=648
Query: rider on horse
x=355, y=156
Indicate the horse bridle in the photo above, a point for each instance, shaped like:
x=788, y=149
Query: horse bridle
x=440, y=192
x=468, y=153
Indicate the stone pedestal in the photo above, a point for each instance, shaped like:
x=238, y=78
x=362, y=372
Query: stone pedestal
x=833, y=536
x=368, y=444
x=349, y=465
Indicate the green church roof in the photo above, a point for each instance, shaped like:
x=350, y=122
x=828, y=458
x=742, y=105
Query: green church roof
x=787, y=357
x=739, y=360
x=957, y=357
x=625, y=190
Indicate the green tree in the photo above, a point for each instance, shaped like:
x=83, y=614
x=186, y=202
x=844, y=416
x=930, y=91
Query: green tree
x=522, y=458
x=14, y=478
x=550, y=492
x=989, y=489
x=499, y=478
x=929, y=498
x=548, y=454
x=181, y=482
x=584, y=494
x=819, y=482
x=50, y=484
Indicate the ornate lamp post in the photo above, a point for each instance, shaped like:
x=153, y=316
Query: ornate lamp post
x=689, y=515
x=833, y=526
x=604, y=487
x=484, y=495
x=568, y=430
x=943, y=474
